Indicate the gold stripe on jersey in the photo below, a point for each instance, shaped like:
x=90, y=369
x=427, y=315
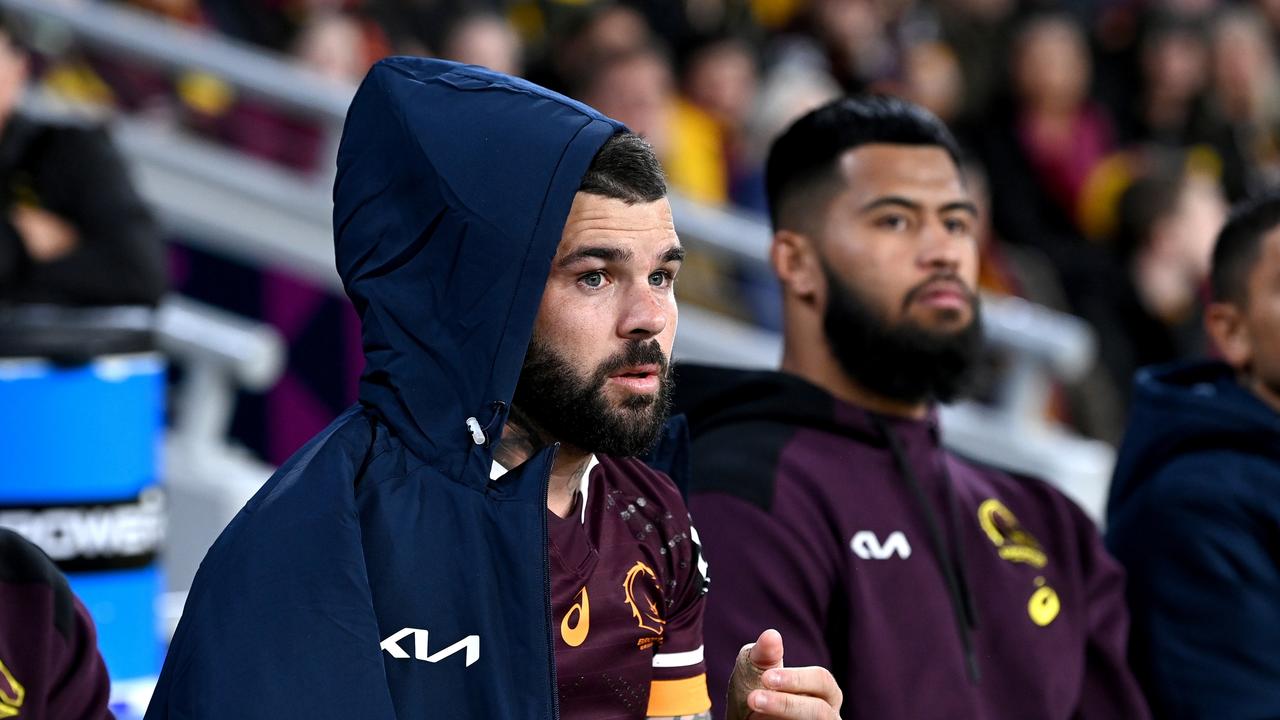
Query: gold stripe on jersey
x=688, y=696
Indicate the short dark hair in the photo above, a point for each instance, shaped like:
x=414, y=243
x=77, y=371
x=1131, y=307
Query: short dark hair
x=1239, y=245
x=805, y=157
x=626, y=168
x=1151, y=198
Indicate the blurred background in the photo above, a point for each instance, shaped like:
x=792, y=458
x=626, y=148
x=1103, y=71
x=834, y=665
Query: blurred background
x=171, y=325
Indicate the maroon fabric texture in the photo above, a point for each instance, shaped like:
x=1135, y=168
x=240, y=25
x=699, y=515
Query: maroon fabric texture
x=625, y=587
x=842, y=564
x=50, y=668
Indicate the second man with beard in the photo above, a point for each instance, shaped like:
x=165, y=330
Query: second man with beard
x=931, y=586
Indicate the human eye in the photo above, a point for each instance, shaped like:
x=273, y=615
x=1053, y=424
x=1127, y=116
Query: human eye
x=593, y=279
x=892, y=221
x=661, y=278
x=958, y=226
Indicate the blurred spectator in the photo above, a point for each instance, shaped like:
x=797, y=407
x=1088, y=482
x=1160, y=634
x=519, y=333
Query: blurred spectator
x=333, y=45
x=792, y=87
x=979, y=31
x=1195, y=503
x=582, y=37
x=1047, y=156
x=1145, y=303
x=275, y=24
x=484, y=39
x=858, y=40
x=720, y=78
x=637, y=88
x=261, y=22
x=932, y=79
x=1248, y=98
x=1061, y=134
x=1091, y=405
x=50, y=668
x=1170, y=108
x=1168, y=221
x=73, y=230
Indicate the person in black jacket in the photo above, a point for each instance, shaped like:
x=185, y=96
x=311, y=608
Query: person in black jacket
x=50, y=667
x=73, y=230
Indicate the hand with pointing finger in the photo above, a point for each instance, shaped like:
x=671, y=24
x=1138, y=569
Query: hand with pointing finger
x=762, y=689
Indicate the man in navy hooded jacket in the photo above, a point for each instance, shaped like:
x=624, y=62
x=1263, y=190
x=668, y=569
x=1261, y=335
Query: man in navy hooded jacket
x=1195, y=503
x=440, y=551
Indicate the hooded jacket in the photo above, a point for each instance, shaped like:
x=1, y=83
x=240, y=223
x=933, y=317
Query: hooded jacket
x=932, y=587
x=1194, y=516
x=380, y=573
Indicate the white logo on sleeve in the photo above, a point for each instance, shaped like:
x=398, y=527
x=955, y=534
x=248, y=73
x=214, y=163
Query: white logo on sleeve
x=866, y=546
x=422, y=651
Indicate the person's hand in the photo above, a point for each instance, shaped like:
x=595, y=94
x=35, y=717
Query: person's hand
x=761, y=689
x=46, y=236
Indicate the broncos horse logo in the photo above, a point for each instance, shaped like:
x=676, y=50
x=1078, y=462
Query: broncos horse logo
x=643, y=599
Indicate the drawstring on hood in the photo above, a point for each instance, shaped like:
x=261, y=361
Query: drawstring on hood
x=484, y=434
x=950, y=554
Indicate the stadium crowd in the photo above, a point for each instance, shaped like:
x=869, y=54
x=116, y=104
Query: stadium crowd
x=1109, y=137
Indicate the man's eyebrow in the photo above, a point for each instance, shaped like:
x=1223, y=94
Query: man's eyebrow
x=608, y=254
x=891, y=201
x=675, y=254
x=898, y=201
x=960, y=205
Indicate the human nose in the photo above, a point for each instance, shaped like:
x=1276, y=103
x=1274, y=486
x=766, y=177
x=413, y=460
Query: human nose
x=940, y=249
x=643, y=315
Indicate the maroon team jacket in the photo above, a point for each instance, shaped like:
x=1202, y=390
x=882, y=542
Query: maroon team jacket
x=50, y=668
x=932, y=587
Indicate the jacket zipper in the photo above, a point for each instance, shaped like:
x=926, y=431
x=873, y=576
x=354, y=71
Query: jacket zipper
x=949, y=561
x=546, y=586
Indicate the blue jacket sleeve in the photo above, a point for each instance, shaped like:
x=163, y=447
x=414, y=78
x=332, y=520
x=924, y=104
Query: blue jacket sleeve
x=1200, y=549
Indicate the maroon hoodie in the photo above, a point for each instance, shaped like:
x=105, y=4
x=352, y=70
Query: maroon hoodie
x=50, y=668
x=930, y=586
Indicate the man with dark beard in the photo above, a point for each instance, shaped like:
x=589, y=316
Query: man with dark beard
x=931, y=586
x=628, y=581
x=472, y=540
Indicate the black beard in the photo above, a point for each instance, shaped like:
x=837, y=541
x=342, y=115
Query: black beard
x=903, y=362
x=573, y=409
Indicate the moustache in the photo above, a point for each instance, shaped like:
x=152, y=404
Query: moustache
x=636, y=353
x=950, y=279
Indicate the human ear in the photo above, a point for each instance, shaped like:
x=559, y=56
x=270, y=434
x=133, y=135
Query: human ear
x=1225, y=324
x=795, y=262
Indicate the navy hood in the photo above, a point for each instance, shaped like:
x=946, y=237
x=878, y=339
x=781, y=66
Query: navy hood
x=452, y=191
x=1184, y=408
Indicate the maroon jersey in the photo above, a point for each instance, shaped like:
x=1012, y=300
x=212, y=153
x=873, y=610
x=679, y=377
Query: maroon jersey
x=627, y=587
x=50, y=668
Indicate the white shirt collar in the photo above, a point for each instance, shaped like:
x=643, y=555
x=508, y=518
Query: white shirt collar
x=497, y=470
